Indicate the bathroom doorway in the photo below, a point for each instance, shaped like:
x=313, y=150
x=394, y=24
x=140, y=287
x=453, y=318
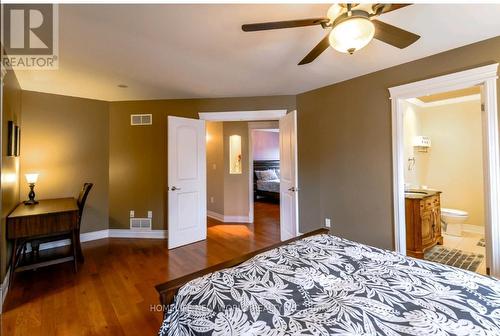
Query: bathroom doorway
x=444, y=179
x=441, y=221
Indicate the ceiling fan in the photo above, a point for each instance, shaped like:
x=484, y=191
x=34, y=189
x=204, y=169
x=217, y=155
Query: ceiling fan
x=352, y=26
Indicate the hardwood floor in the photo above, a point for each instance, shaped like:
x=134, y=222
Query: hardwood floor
x=113, y=292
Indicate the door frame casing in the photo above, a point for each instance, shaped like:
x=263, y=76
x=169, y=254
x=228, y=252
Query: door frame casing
x=485, y=76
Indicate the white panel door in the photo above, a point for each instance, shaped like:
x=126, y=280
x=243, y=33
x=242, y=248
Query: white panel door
x=187, y=209
x=288, y=180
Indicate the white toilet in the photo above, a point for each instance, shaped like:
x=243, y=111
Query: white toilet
x=452, y=220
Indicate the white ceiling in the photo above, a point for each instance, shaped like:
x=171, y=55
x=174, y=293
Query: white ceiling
x=190, y=51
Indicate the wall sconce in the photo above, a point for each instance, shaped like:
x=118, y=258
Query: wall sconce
x=235, y=154
x=31, y=179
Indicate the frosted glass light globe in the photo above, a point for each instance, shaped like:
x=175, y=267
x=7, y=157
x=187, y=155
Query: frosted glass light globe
x=333, y=12
x=352, y=34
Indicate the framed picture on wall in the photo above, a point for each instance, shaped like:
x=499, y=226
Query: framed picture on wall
x=17, y=141
x=11, y=149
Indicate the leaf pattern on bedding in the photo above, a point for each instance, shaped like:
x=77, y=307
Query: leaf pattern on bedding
x=324, y=285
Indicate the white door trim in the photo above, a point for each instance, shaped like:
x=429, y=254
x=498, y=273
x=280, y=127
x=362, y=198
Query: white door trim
x=487, y=77
x=243, y=115
x=253, y=126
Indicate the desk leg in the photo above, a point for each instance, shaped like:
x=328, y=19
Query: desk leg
x=13, y=261
x=75, y=250
x=79, y=252
x=35, y=249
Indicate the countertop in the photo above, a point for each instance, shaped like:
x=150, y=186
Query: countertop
x=420, y=193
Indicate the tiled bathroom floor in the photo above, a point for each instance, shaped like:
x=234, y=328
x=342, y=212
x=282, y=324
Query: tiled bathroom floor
x=467, y=242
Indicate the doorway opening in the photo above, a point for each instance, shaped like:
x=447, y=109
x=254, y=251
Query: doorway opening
x=444, y=178
x=265, y=173
x=433, y=218
x=211, y=174
x=243, y=170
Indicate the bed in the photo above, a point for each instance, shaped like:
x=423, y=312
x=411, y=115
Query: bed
x=266, y=175
x=319, y=284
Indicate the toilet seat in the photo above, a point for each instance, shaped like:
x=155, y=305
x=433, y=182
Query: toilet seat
x=454, y=212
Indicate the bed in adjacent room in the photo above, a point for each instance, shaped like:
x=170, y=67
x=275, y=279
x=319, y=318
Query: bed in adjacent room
x=319, y=284
x=266, y=179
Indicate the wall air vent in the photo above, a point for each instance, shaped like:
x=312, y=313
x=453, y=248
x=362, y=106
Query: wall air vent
x=140, y=224
x=141, y=119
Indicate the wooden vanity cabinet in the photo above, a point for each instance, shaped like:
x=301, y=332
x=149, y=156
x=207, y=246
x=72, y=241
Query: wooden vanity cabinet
x=423, y=224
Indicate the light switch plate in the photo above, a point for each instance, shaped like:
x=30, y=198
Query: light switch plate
x=150, y=214
x=328, y=222
x=212, y=200
x=132, y=213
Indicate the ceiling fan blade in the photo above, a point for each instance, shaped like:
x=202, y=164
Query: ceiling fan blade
x=284, y=24
x=317, y=50
x=392, y=7
x=394, y=36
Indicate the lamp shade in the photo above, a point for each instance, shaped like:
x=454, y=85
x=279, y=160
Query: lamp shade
x=352, y=34
x=31, y=178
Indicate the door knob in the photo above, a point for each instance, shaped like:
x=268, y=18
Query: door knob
x=174, y=188
x=293, y=189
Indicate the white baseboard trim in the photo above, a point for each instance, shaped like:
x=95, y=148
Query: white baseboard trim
x=125, y=233
x=109, y=233
x=237, y=219
x=228, y=219
x=84, y=237
x=473, y=228
x=95, y=235
x=215, y=215
x=4, y=288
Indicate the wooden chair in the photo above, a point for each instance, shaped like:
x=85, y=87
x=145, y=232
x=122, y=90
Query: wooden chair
x=82, y=199
x=74, y=235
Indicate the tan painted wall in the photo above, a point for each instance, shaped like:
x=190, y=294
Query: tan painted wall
x=236, y=185
x=215, y=167
x=11, y=110
x=65, y=140
x=414, y=178
x=138, y=155
x=344, y=132
x=455, y=160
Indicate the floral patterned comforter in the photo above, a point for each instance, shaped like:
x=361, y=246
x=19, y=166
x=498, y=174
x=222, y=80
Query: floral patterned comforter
x=325, y=285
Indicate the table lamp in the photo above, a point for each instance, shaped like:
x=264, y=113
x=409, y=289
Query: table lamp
x=31, y=179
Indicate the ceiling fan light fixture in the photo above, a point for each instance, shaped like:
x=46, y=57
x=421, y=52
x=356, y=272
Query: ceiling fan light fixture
x=351, y=34
x=333, y=12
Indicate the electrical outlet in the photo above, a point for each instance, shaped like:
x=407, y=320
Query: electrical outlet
x=214, y=166
x=212, y=200
x=328, y=222
x=132, y=213
x=150, y=214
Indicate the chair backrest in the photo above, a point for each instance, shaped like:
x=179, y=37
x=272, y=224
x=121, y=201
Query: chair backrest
x=82, y=197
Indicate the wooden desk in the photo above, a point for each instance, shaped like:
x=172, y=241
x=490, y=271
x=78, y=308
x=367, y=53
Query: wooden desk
x=48, y=218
